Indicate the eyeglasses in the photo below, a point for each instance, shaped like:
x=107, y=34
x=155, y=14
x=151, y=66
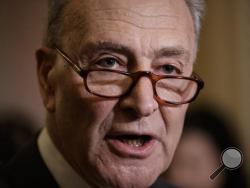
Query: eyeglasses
x=108, y=83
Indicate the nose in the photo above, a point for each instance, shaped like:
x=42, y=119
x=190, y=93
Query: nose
x=140, y=101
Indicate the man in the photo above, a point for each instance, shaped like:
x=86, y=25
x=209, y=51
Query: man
x=116, y=78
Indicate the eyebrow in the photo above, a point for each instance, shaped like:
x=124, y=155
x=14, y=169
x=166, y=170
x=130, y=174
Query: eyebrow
x=92, y=48
x=176, y=51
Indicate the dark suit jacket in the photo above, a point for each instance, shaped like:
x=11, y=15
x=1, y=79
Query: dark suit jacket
x=28, y=170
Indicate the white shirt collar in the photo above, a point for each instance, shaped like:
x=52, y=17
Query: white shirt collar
x=63, y=173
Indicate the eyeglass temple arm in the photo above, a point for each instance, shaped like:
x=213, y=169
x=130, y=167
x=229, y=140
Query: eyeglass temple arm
x=73, y=65
x=200, y=81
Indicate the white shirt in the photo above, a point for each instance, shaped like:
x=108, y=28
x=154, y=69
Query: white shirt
x=63, y=173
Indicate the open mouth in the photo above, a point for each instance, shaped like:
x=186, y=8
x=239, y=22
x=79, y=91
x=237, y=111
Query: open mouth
x=133, y=140
x=131, y=144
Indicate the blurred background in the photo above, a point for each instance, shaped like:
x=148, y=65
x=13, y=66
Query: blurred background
x=223, y=62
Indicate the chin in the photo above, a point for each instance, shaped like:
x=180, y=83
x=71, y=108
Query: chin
x=133, y=181
x=128, y=176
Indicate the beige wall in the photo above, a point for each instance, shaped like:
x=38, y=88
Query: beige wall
x=223, y=62
x=20, y=35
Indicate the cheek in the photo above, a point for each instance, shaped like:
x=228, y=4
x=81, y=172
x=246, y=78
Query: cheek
x=77, y=105
x=174, y=120
x=81, y=117
x=174, y=117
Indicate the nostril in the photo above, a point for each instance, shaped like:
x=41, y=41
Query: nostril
x=141, y=110
x=135, y=113
x=131, y=113
x=137, y=110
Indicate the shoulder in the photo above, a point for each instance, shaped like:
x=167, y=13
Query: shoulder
x=26, y=169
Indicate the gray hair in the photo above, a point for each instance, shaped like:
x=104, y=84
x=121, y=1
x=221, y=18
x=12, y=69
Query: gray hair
x=197, y=9
x=56, y=17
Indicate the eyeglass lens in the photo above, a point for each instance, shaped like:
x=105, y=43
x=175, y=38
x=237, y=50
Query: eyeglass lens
x=112, y=84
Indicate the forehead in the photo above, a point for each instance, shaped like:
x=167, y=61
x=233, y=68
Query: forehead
x=142, y=7
x=132, y=19
x=155, y=12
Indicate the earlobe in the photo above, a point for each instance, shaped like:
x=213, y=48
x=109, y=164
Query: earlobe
x=45, y=63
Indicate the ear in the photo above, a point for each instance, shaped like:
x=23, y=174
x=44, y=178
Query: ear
x=45, y=64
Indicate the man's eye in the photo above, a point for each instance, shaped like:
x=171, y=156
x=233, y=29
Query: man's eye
x=170, y=69
x=107, y=63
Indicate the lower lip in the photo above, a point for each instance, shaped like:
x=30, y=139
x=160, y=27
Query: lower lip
x=125, y=150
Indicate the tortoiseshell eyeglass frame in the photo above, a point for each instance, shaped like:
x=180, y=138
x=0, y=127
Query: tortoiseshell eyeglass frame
x=135, y=77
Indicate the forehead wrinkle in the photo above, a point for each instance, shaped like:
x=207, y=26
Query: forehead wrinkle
x=143, y=21
x=86, y=15
x=79, y=23
x=136, y=6
x=139, y=25
x=129, y=11
x=140, y=22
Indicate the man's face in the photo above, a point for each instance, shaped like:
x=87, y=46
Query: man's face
x=124, y=142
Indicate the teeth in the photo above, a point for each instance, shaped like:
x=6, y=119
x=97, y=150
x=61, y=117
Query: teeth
x=134, y=142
